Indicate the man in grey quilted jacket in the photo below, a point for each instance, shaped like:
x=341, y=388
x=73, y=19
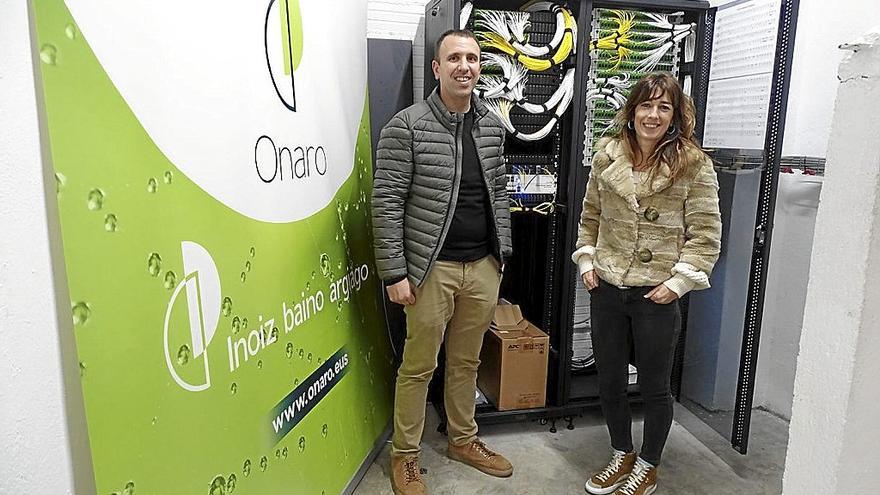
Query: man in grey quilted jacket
x=441, y=228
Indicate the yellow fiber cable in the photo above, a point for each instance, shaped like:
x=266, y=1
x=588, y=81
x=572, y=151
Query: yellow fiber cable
x=617, y=40
x=493, y=40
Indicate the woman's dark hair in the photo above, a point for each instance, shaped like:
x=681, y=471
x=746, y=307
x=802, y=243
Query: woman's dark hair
x=675, y=147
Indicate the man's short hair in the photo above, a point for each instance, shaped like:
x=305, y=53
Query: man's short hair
x=462, y=33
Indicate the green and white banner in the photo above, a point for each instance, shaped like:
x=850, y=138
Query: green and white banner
x=213, y=174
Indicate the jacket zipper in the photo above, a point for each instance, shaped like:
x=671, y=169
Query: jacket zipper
x=452, y=198
x=496, y=239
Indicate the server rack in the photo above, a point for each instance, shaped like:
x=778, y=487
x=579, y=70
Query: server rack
x=551, y=238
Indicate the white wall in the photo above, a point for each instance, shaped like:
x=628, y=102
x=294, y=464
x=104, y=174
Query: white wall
x=401, y=20
x=834, y=434
x=43, y=449
x=822, y=26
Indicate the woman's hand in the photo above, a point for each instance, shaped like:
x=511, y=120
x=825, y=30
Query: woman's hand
x=591, y=280
x=661, y=295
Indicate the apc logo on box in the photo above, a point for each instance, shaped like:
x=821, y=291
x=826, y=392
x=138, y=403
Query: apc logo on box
x=202, y=285
x=283, y=40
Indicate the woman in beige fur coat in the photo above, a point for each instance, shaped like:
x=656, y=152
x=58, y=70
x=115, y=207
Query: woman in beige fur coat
x=650, y=231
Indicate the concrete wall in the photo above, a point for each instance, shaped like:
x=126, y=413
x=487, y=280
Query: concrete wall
x=822, y=26
x=43, y=444
x=833, y=434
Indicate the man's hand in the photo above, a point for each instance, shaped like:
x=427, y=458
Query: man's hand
x=402, y=293
x=661, y=295
x=591, y=280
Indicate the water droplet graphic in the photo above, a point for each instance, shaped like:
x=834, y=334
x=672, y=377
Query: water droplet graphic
x=246, y=468
x=230, y=483
x=264, y=463
x=81, y=313
x=310, y=357
x=325, y=264
x=247, y=266
x=233, y=388
x=337, y=318
x=49, y=54
x=110, y=223
x=339, y=306
x=170, y=280
x=244, y=323
x=284, y=453
x=308, y=286
x=154, y=264
x=168, y=177
x=152, y=185
x=226, y=307
x=301, y=353
x=324, y=430
x=243, y=277
x=274, y=333
x=218, y=486
x=320, y=360
x=253, y=252
x=183, y=355
x=236, y=324
x=82, y=368
x=260, y=364
x=129, y=488
x=295, y=382
x=60, y=181
x=302, y=444
x=337, y=236
x=289, y=350
x=154, y=421
x=70, y=31
x=95, y=200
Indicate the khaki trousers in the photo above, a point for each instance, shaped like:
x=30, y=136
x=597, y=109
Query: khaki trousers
x=456, y=301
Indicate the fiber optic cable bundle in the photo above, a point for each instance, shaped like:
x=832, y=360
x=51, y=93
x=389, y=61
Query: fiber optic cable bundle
x=669, y=37
x=616, y=41
x=493, y=86
x=502, y=107
x=507, y=32
x=625, y=47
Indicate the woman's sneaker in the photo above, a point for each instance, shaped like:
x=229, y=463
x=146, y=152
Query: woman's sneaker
x=613, y=476
x=642, y=481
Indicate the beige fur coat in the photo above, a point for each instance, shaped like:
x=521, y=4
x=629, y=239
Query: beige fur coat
x=649, y=233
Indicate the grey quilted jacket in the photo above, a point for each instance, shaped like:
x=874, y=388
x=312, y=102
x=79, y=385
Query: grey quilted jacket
x=418, y=171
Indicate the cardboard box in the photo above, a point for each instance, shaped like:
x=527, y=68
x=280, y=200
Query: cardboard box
x=513, y=361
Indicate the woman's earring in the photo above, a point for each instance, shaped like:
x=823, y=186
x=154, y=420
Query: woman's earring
x=671, y=131
x=630, y=125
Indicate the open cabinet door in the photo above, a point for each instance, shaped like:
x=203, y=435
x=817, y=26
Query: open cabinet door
x=746, y=78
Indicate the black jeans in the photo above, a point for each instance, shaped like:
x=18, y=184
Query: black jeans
x=623, y=321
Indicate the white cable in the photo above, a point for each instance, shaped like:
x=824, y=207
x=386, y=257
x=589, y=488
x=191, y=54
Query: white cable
x=517, y=95
x=511, y=27
x=465, y=14
x=513, y=74
x=653, y=57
